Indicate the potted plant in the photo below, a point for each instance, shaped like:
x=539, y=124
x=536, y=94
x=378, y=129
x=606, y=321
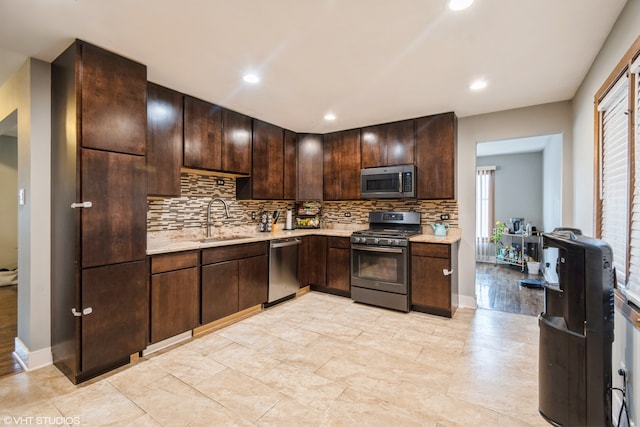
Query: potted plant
x=496, y=238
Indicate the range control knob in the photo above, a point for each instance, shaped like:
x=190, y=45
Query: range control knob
x=376, y=241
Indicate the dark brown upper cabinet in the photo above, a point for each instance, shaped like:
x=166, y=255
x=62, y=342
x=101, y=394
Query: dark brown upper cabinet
x=290, y=164
x=436, y=140
x=274, y=164
x=202, y=134
x=388, y=144
x=236, y=142
x=268, y=161
x=310, y=169
x=342, y=165
x=113, y=101
x=164, y=141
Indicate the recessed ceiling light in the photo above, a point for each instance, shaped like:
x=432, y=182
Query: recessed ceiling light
x=459, y=4
x=251, y=78
x=329, y=116
x=478, y=85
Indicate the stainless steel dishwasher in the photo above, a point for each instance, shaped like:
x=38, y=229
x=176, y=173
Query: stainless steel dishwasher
x=283, y=268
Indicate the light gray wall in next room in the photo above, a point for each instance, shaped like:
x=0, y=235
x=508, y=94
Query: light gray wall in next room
x=518, y=182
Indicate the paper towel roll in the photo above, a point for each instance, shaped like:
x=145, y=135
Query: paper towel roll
x=289, y=221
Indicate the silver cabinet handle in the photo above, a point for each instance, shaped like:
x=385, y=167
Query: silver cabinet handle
x=447, y=272
x=84, y=311
x=81, y=205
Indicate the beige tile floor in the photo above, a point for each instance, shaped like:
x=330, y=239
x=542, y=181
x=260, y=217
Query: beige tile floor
x=318, y=360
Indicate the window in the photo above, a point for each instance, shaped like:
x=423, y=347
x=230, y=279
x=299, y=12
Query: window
x=634, y=247
x=614, y=178
x=485, y=189
x=618, y=166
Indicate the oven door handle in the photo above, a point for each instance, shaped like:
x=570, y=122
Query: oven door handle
x=377, y=249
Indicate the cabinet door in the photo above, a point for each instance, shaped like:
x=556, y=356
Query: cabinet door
x=400, y=139
x=374, y=148
x=338, y=269
x=342, y=165
x=310, y=170
x=164, y=141
x=114, y=228
x=236, y=142
x=350, y=165
x=429, y=286
x=174, y=303
x=331, y=166
x=253, y=281
x=219, y=291
x=313, y=261
x=113, y=101
x=290, y=165
x=118, y=323
x=435, y=156
x=202, y=134
x=268, y=161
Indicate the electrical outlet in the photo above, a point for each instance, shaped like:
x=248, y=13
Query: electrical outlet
x=253, y=215
x=220, y=182
x=444, y=216
x=347, y=214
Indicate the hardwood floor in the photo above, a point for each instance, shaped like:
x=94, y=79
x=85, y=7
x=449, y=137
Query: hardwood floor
x=498, y=288
x=8, y=329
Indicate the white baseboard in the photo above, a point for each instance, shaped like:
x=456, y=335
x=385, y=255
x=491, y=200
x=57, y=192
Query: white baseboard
x=31, y=360
x=467, y=301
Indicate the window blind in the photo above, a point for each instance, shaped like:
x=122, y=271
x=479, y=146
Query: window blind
x=634, y=247
x=614, y=181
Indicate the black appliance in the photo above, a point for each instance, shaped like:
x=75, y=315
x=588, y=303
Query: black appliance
x=380, y=259
x=388, y=182
x=576, y=333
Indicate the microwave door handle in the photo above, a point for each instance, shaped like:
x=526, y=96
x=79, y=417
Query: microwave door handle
x=400, y=188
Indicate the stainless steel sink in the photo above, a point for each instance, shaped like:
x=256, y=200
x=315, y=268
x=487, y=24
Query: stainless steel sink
x=223, y=238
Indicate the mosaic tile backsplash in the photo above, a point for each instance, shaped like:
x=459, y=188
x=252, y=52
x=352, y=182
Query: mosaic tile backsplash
x=190, y=210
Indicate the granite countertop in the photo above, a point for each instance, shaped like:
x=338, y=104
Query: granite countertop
x=159, y=242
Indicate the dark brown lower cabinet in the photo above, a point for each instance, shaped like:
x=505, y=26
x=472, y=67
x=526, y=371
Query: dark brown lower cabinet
x=233, y=278
x=434, y=278
x=219, y=290
x=313, y=261
x=339, y=264
x=253, y=280
x=174, y=301
x=115, y=320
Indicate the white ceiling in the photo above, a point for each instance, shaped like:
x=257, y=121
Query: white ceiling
x=368, y=61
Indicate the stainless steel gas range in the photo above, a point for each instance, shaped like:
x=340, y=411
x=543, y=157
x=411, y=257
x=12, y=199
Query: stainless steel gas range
x=380, y=259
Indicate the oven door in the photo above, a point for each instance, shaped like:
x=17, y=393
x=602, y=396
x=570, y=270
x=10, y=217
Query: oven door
x=379, y=267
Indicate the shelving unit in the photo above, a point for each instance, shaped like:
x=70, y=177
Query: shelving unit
x=512, y=253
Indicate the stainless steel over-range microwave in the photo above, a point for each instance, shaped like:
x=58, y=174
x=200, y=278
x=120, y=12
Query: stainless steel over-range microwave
x=388, y=182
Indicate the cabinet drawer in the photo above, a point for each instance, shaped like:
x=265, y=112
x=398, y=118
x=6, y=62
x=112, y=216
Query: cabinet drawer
x=339, y=242
x=226, y=253
x=173, y=261
x=436, y=250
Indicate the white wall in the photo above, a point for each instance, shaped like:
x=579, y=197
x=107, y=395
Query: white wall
x=8, y=202
x=544, y=119
x=518, y=186
x=29, y=91
x=626, y=347
x=551, y=180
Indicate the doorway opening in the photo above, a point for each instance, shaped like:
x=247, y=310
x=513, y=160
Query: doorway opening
x=8, y=243
x=518, y=197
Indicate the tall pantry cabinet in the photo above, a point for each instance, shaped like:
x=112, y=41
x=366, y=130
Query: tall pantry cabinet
x=99, y=283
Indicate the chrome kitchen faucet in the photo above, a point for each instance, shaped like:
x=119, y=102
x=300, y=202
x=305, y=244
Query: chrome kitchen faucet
x=209, y=222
